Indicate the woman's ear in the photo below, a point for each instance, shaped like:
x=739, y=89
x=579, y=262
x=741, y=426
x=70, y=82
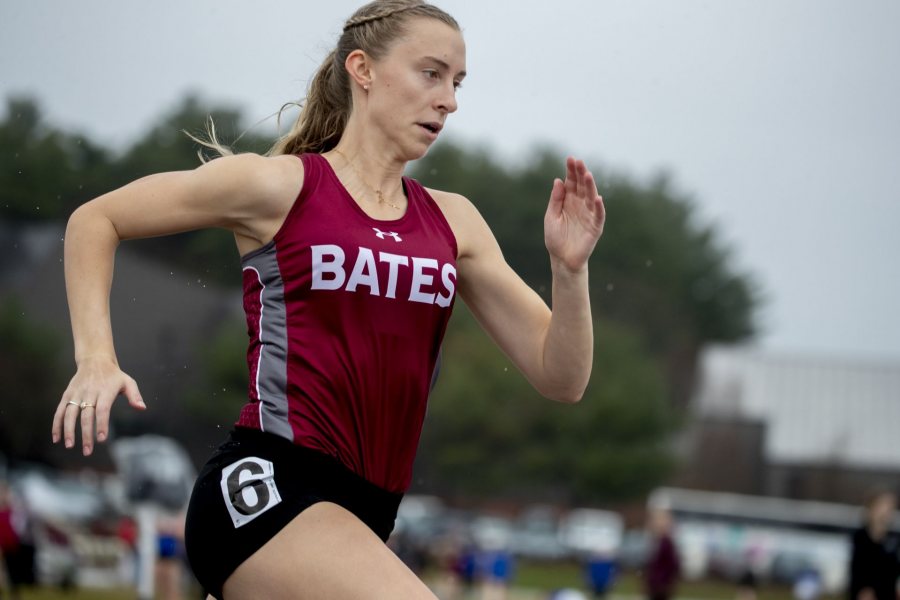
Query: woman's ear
x=359, y=68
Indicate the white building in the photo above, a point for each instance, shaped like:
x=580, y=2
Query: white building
x=794, y=426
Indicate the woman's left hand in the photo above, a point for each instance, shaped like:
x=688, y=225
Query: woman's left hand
x=575, y=217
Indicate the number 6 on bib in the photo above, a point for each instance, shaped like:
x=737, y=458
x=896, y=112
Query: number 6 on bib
x=248, y=486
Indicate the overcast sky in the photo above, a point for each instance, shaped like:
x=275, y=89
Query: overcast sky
x=781, y=118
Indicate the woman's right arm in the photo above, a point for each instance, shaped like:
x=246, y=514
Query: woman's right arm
x=247, y=194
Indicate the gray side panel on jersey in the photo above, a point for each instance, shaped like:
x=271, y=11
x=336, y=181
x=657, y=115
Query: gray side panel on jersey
x=271, y=373
x=437, y=369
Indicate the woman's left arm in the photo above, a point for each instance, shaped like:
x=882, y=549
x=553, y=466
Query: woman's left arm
x=554, y=350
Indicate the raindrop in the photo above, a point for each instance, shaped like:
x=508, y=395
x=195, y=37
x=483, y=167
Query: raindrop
x=20, y=172
x=610, y=287
x=434, y=171
x=37, y=208
x=505, y=369
x=649, y=263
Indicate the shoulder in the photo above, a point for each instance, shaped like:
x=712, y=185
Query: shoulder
x=249, y=172
x=455, y=206
x=467, y=224
x=255, y=186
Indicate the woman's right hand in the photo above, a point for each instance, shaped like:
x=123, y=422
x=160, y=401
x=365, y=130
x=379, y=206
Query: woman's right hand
x=91, y=393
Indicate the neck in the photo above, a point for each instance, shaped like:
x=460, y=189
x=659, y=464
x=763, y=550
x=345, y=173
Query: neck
x=373, y=156
x=367, y=175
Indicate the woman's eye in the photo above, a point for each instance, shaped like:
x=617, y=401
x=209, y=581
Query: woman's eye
x=457, y=85
x=431, y=74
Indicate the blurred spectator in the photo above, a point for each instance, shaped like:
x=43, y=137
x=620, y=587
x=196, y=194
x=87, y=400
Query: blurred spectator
x=874, y=565
x=747, y=586
x=170, y=561
x=498, y=574
x=127, y=533
x=663, y=566
x=455, y=560
x=601, y=574
x=16, y=550
x=748, y=582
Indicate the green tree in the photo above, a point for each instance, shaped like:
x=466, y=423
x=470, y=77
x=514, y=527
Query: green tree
x=30, y=383
x=45, y=173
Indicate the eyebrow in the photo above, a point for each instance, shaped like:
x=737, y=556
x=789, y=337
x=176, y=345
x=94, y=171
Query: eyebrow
x=444, y=65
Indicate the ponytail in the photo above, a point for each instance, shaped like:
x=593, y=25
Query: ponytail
x=323, y=116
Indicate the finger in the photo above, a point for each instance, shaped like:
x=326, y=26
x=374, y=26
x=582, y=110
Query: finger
x=56, y=430
x=600, y=211
x=570, y=175
x=131, y=391
x=591, y=193
x=557, y=195
x=87, y=427
x=580, y=171
x=101, y=419
x=69, y=420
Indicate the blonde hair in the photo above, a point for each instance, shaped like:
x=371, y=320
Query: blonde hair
x=326, y=109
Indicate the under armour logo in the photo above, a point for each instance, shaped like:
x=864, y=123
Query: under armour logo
x=381, y=234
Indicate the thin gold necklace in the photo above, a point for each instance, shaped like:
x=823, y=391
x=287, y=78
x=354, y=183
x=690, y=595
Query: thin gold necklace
x=377, y=192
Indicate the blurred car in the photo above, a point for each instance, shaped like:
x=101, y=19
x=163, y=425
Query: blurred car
x=70, y=524
x=492, y=532
x=587, y=532
x=536, y=535
x=788, y=566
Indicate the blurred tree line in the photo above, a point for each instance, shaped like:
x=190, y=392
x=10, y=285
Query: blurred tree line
x=662, y=286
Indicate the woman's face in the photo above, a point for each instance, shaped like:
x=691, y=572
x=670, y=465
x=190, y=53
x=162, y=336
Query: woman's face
x=413, y=86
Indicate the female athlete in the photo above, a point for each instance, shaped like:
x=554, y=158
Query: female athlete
x=350, y=271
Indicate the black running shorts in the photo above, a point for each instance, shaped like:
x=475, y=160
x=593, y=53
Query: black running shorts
x=254, y=485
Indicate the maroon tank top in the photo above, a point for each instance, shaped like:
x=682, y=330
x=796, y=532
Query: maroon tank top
x=346, y=315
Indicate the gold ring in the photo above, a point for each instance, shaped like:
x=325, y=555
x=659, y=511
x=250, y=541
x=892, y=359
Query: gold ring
x=73, y=403
x=86, y=405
